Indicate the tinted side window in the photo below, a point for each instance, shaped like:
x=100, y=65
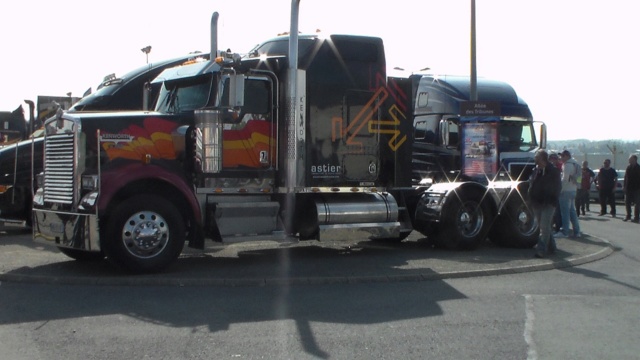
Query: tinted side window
x=256, y=99
x=426, y=128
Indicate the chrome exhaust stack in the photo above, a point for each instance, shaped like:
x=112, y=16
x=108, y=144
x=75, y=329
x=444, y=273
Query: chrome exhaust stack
x=214, y=37
x=296, y=102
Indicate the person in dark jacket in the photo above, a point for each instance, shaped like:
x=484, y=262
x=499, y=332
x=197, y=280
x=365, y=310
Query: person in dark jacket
x=632, y=189
x=554, y=159
x=544, y=192
x=606, y=183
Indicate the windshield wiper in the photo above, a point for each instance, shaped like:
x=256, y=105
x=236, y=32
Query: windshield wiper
x=173, y=102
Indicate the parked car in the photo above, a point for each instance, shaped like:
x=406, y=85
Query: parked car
x=16, y=168
x=594, y=194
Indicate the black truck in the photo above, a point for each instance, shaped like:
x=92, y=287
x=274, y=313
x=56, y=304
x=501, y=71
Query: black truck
x=125, y=93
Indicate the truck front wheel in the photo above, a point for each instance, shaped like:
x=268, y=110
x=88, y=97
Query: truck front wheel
x=516, y=227
x=465, y=221
x=145, y=233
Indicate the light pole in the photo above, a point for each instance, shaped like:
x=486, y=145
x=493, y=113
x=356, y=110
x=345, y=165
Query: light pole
x=146, y=50
x=474, y=82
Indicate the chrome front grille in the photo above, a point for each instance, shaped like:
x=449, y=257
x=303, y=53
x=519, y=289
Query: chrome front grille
x=59, y=168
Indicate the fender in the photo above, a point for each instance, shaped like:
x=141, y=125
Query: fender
x=500, y=191
x=432, y=201
x=117, y=178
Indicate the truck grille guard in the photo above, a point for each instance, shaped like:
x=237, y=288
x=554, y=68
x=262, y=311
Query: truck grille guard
x=59, y=168
x=60, y=184
x=56, y=203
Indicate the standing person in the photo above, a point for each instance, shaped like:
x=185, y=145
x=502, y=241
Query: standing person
x=582, y=194
x=557, y=219
x=544, y=190
x=570, y=172
x=632, y=189
x=606, y=183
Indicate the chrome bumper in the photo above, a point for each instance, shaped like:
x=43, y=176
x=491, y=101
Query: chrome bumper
x=70, y=230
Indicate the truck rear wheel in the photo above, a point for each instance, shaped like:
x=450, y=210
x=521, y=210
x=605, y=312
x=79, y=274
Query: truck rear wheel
x=516, y=227
x=145, y=233
x=465, y=220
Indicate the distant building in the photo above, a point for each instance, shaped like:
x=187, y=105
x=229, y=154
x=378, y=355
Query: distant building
x=13, y=126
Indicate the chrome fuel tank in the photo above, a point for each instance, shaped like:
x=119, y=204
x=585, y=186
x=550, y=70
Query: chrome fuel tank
x=373, y=212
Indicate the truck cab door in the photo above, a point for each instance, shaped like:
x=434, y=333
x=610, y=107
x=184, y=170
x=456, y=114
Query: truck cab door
x=249, y=139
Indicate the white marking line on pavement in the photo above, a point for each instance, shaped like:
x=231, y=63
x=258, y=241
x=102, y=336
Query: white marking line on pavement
x=532, y=354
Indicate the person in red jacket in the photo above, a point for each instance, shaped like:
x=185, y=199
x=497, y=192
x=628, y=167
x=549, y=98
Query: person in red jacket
x=582, y=196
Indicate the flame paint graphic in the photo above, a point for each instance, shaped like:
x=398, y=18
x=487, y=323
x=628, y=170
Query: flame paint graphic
x=153, y=138
x=242, y=147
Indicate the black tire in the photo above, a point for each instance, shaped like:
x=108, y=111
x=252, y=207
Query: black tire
x=406, y=207
x=161, y=225
x=465, y=221
x=516, y=227
x=81, y=255
x=423, y=219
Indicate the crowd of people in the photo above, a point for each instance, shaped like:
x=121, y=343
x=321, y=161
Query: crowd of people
x=559, y=193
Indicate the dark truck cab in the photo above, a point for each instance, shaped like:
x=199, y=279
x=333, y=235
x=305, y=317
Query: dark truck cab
x=125, y=93
x=128, y=92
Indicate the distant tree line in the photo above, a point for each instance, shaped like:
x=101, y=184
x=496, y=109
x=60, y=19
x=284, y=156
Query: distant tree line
x=595, y=152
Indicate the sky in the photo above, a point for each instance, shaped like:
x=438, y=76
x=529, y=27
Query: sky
x=575, y=62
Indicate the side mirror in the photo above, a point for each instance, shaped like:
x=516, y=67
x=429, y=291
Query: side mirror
x=449, y=132
x=543, y=135
x=146, y=96
x=236, y=91
x=444, y=132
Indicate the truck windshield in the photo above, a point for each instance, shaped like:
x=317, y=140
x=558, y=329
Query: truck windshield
x=184, y=95
x=517, y=136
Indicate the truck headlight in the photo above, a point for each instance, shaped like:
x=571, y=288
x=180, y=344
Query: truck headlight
x=89, y=182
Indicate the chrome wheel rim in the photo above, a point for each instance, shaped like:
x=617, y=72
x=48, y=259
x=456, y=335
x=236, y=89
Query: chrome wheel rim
x=145, y=234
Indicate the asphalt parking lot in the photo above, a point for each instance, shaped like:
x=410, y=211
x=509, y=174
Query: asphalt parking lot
x=270, y=263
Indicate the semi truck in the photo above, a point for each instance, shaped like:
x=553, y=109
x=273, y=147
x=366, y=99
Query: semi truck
x=476, y=158
x=131, y=91
x=302, y=137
